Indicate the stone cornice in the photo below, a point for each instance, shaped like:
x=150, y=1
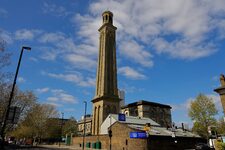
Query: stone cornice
x=220, y=90
x=112, y=98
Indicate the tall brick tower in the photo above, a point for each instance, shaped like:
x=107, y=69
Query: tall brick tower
x=106, y=98
x=221, y=91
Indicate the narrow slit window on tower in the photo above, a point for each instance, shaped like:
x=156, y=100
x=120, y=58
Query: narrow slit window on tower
x=110, y=19
x=106, y=17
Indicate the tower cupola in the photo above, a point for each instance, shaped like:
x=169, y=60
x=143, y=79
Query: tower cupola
x=107, y=17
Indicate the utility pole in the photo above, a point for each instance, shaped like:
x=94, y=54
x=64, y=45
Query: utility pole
x=61, y=129
x=110, y=134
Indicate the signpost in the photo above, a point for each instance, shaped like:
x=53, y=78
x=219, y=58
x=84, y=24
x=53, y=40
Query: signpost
x=14, y=114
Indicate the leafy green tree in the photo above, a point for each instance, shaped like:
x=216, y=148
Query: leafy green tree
x=202, y=111
x=221, y=126
x=4, y=62
x=24, y=100
x=22, y=131
x=36, y=121
x=53, y=128
x=70, y=126
x=4, y=86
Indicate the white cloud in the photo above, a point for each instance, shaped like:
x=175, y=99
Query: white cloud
x=49, y=53
x=136, y=52
x=26, y=34
x=215, y=78
x=42, y=90
x=186, y=105
x=180, y=29
x=55, y=10
x=130, y=89
x=221, y=28
x=21, y=80
x=67, y=98
x=131, y=73
x=82, y=56
x=182, y=106
x=54, y=99
x=180, y=110
x=54, y=104
x=217, y=102
x=185, y=49
x=81, y=61
x=33, y=59
x=3, y=13
x=55, y=91
x=52, y=37
x=89, y=26
x=6, y=36
x=60, y=96
x=76, y=78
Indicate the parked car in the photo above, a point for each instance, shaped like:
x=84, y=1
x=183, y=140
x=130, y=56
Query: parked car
x=202, y=146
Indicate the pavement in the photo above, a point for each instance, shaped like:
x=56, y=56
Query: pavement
x=45, y=147
x=66, y=147
x=40, y=147
x=63, y=147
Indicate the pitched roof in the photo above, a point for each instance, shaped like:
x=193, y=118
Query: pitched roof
x=161, y=131
x=136, y=120
x=144, y=102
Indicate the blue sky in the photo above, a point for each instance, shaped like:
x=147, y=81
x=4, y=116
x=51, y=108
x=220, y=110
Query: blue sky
x=167, y=51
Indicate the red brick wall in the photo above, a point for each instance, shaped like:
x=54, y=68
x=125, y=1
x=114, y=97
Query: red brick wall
x=104, y=139
x=121, y=140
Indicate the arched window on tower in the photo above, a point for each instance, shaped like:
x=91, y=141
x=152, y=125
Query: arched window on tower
x=95, y=118
x=98, y=122
x=106, y=17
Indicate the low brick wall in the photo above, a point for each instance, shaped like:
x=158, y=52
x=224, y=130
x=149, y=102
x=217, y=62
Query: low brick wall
x=120, y=139
x=104, y=139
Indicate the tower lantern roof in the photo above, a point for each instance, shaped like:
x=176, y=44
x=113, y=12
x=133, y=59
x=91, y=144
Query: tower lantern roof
x=107, y=17
x=222, y=80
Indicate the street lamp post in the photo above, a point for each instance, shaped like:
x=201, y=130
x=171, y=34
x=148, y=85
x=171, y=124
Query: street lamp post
x=85, y=109
x=61, y=130
x=110, y=134
x=11, y=96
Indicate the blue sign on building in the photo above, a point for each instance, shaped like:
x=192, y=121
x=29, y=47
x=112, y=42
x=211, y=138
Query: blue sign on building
x=140, y=135
x=121, y=117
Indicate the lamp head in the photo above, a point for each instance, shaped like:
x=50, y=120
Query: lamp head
x=27, y=48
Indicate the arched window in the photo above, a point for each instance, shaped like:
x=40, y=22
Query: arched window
x=94, y=123
x=98, y=121
x=136, y=112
